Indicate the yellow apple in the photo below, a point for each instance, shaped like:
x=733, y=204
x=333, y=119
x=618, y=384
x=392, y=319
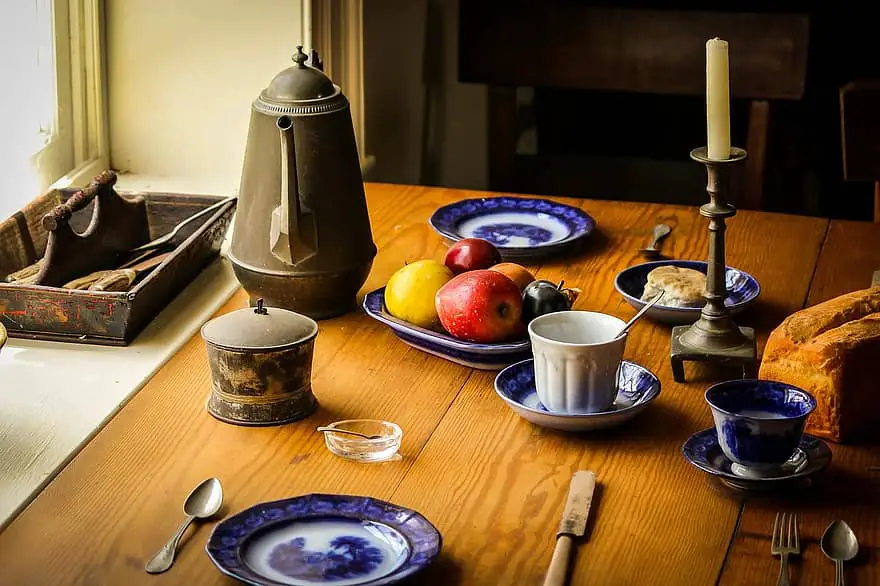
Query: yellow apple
x=409, y=294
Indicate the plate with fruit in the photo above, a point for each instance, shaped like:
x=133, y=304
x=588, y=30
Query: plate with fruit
x=520, y=228
x=683, y=283
x=470, y=309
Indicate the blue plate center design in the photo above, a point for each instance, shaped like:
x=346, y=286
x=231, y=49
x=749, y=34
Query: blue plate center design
x=337, y=551
x=348, y=557
x=505, y=234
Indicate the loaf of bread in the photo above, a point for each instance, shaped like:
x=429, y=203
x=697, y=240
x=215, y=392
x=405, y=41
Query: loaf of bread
x=832, y=350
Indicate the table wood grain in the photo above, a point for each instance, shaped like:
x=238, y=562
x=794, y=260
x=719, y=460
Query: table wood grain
x=492, y=483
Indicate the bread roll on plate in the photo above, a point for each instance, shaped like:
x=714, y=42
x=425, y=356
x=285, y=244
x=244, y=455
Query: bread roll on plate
x=682, y=287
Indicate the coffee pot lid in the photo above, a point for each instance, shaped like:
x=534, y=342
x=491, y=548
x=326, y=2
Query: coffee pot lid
x=300, y=82
x=259, y=328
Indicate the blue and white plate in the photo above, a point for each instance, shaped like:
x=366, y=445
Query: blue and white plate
x=482, y=356
x=703, y=451
x=742, y=290
x=520, y=228
x=637, y=387
x=323, y=539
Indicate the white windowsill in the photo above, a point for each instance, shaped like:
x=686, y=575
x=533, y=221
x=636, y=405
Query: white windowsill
x=54, y=396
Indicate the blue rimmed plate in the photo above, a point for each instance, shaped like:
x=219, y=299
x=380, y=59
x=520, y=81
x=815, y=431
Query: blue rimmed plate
x=742, y=290
x=703, y=451
x=324, y=539
x=637, y=387
x=521, y=228
x=482, y=356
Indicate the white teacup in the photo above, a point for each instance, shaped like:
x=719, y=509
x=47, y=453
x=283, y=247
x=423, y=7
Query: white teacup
x=576, y=360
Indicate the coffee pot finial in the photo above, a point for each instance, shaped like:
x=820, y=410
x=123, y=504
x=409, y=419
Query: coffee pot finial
x=300, y=57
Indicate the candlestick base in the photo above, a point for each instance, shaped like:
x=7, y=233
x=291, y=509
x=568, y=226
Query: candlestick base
x=731, y=346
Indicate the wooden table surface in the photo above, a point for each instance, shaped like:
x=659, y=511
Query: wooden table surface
x=492, y=483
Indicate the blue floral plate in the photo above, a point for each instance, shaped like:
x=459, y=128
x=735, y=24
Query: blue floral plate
x=742, y=290
x=482, y=356
x=637, y=387
x=702, y=450
x=323, y=539
x=521, y=228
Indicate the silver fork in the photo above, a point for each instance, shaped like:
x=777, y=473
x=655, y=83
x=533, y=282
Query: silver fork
x=786, y=541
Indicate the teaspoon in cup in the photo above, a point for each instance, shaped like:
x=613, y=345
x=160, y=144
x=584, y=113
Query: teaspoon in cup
x=203, y=502
x=639, y=315
x=839, y=544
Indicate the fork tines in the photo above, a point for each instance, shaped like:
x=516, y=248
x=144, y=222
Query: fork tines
x=786, y=538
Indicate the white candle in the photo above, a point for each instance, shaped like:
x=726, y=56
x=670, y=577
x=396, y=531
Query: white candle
x=717, y=99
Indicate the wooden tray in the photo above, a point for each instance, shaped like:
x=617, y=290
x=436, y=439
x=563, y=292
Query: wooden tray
x=97, y=317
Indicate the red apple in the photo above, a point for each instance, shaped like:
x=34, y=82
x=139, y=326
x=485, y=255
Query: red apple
x=471, y=254
x=480, y=306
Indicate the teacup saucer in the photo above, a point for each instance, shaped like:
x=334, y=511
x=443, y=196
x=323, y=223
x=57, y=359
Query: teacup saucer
x=702, y=450
x=637, y=388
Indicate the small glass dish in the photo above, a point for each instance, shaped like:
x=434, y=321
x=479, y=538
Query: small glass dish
x=380, y=448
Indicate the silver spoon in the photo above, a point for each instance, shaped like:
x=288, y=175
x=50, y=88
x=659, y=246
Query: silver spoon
x=839, y=544
x=638, y=315
x=203, y=502
x=661, y=231
x=349, y=432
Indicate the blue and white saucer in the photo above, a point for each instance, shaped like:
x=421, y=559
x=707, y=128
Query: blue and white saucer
x=637, y=388
x=323, y=539
x=520, y=228
x=702, y=450
x=742, y=290
x=470, y=354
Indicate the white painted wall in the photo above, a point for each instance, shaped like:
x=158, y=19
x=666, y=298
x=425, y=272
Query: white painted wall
x=181, y=78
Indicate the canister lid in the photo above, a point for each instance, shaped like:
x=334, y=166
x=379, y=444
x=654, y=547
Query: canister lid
x=300, y=82
x=259, y=328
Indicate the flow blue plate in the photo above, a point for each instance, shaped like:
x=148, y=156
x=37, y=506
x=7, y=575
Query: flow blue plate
x=324, y=539
x=520, y=228
x=637, y=387
x=703, y=451
x=742, y=290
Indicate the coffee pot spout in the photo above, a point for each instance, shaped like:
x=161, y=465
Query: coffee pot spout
x=292, y=229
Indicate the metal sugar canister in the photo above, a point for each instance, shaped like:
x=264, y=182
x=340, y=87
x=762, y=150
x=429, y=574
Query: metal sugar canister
x=261, y=365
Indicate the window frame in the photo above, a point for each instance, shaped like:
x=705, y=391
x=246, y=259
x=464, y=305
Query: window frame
x=85, y=69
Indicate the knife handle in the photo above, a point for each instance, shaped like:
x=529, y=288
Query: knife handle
x=558, y=569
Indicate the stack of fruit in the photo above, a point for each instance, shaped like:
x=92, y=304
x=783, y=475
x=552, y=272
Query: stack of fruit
x=472, y=295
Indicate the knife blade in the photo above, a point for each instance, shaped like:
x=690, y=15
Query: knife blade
x=577, y=507
x=573, y=524
x=875, y=282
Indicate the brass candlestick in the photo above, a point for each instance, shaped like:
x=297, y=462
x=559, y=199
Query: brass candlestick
x=715, y=337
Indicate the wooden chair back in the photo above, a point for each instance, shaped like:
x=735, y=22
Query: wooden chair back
x=570, y=45
x=860, y=134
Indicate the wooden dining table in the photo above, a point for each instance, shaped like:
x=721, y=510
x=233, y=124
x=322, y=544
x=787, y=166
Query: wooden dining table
x=492, y=483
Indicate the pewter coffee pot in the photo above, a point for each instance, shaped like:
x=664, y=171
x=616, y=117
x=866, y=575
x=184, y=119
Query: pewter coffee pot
x=302, y=238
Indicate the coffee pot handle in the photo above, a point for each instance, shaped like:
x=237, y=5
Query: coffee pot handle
x=293, y=230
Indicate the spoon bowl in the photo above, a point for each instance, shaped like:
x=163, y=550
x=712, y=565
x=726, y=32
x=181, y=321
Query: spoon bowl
x=839, y=544
x=661, y=231
x=205, y=499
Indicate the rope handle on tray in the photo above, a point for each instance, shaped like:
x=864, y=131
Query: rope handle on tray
x=62, y=212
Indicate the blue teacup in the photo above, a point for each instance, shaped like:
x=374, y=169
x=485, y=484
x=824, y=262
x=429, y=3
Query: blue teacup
x=759, y=423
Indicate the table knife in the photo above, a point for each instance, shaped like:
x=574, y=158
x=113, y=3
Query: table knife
x=875, y=282
x=574, y=524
